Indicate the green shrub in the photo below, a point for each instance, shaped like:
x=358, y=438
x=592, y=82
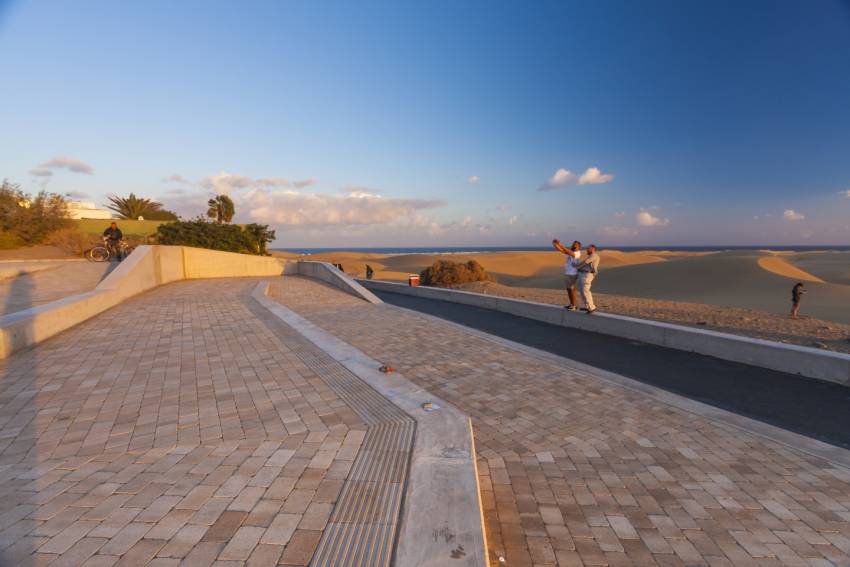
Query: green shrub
x=444, y=273
x=251, y=239
x=31, y=218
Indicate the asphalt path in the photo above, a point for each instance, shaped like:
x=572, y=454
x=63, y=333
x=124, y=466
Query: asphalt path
x=814, y=408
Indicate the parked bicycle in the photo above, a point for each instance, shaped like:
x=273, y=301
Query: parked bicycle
x=103, y=252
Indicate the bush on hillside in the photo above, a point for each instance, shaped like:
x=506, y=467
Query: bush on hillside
x=251, y=239
x=9, y=241
x=31, y=218
x=73, y=240
x=445, y=273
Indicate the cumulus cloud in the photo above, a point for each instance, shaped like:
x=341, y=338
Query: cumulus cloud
x=620, y=214
x=304, y=183
x=47, y=168
x=645, y=218
x=175, y=178
x=288, y=207
x=223, y=183
x=473, y=179
x=560, y=178
x=273, y=182
x=592, y=176
x=513, y=220
x=565, y=177
x=792, y=215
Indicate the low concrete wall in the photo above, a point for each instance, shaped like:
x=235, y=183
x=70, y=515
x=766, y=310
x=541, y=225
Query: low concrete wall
x=809, y=362
x=146, y=268
x=328, y=274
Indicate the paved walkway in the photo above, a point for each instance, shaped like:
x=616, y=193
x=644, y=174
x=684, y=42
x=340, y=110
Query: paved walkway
x=575, y=470
x=62, y=279
x=181, y=427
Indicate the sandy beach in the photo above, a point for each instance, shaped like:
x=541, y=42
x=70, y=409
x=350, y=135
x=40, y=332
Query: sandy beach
x=744, y=292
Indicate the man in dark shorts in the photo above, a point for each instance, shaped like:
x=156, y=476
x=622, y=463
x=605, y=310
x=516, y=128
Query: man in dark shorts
x=796, y=296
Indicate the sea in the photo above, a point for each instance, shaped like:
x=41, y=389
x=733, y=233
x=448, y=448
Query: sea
x=482, y=249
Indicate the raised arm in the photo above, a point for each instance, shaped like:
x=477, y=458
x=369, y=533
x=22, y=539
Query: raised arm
x=560, y=247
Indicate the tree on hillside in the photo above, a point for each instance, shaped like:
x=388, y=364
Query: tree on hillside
x=221, y=209
x=133, y=207
x=30, y=219
x=259, y=235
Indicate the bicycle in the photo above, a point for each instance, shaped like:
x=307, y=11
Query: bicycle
x=103, y=252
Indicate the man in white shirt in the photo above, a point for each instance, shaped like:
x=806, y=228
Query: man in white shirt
x=573, y=255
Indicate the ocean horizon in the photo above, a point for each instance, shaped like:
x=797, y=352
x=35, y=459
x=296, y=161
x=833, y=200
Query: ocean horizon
x=484, y=249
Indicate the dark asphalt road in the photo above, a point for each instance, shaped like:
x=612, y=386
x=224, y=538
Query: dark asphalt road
x=810, y=407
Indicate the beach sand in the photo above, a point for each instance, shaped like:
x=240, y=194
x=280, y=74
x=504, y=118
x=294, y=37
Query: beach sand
x=744, y=292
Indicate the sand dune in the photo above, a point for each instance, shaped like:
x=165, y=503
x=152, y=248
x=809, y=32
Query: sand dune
x=781, y=267
x=523, y=268
x=756, y=279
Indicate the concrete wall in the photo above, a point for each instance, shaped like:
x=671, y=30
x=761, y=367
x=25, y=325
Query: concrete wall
x=327, y=273
x=809, y=362
x=146, y=268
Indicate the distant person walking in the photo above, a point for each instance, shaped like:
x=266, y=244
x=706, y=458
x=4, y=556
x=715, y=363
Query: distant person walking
x=570, y=271
x=796, y=297
x=369, y=272
x=587, y=270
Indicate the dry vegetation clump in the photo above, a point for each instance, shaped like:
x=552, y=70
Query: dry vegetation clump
x=445, y=273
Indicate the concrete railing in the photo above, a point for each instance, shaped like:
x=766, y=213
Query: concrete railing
x=329, y=274
x=805, y=361
x=146, y=268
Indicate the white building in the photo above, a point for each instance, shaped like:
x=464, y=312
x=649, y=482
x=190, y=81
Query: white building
x=87, y=210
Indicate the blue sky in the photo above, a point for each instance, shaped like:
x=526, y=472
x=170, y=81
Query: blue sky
x=423, y=123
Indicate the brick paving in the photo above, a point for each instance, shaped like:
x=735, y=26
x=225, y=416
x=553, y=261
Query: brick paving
x=575, y=470
x=179, y=428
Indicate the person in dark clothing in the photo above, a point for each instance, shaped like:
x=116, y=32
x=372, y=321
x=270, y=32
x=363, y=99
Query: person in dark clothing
x=113, y=236
x=369, y=272
x=796, y=296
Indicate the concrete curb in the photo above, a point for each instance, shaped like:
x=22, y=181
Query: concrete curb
x=805, y=361
x=329, y=274
x=442, y=518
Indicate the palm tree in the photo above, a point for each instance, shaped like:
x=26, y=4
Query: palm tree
x=221, y=209
x=132, y=207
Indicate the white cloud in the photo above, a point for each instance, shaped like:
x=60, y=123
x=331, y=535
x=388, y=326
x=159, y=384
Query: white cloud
x=846, y=193
x=620, y=214
x=792, y=215
x=288, y=207
x=305, y=183
x=513, y=220
x=473, y=179
x=47, y=168
x=273, y=182
x=646, y=218
x=560, y=178
x=592, y=176
x=175, y=178
x=223, y=183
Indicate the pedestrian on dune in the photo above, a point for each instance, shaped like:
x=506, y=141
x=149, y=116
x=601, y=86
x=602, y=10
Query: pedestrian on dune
x=573, y=255
x=796, y=297
x=587, y=270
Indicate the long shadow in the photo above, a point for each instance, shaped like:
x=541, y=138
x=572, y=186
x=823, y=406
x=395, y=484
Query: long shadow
x=810, y=407
x=18, y=440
